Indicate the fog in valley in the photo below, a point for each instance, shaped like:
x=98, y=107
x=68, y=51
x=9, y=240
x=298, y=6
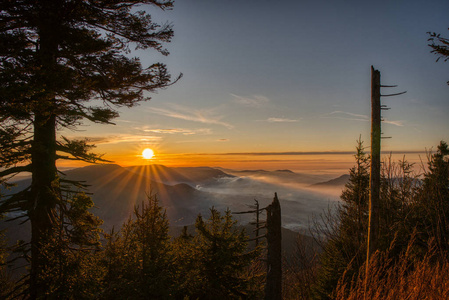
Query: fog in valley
x=301, y=201
x=185, y=193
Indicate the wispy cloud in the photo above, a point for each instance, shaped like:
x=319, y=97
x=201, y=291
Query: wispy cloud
x=123, y=138
x=207, y=116
x=397, y=123
x=346, y=116
x=182, y=131
x=281, y=120
x=223, y=140
x=343, y=115
x=253, y=101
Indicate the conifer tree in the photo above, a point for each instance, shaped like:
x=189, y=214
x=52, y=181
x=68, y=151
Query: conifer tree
x=216, y=261
x=346, y=245
x=344, y=250
x=61, y=62
x=70, y=250
x=432, y=206
x=138, y=259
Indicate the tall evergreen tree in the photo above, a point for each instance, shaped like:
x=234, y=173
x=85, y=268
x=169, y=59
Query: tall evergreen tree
x=346, y=245
x=62, y=61
x=345, y=250
x=432, y=205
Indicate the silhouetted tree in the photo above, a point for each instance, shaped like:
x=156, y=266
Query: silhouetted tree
x=432, y=206
x=62, y=62
x=213, y=264
x=346, y=244
x=69, y=254
x=405, y=204
x=138, y=259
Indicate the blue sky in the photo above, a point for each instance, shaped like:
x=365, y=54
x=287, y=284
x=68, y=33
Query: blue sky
x=265, y=76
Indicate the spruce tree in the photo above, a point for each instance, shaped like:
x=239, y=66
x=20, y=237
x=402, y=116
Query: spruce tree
x=345, y=248
x=70, y=252
x=138, y=260
x=62, y=61
x=431, y=209
x=216, y=259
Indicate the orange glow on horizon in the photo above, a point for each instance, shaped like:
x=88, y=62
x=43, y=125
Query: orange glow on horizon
x=307, y=163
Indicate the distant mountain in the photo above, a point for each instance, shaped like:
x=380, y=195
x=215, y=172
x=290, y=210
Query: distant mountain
x=336, y=182
x=174, y=175
x=116, y=190
x=287, y=171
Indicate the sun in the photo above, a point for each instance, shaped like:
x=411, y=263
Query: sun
x=147, y=153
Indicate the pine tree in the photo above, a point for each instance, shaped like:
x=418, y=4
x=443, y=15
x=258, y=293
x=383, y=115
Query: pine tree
x=138, y=259
x=69, y=255
x=431, y=210
x=61, y=62
x=345, y=248
x=344, y=252
x=216, y=260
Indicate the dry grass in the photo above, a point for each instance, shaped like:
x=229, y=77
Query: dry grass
x=403, y=278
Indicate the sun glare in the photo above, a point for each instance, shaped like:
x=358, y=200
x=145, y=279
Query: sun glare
x=147, y=153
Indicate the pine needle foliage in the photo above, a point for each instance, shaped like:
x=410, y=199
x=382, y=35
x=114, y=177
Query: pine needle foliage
x=215, y=263
x=346, y=243
x=138, y=260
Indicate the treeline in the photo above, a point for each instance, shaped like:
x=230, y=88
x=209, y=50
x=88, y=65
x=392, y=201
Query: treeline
x=413, y=242
x=141, y=260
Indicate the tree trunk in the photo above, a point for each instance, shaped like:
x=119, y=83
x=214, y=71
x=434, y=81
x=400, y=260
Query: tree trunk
x=44, y=188
x=273, y=287
x=44, y=195
x=374, y=196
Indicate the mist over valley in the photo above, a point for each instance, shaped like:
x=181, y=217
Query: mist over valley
x=186, y=192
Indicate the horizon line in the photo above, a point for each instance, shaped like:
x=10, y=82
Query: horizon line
x=298, y=153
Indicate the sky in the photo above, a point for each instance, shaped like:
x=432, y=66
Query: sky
x=286, y=85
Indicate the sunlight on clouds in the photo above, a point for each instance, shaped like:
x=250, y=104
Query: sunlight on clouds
x=346, y=116
x=207, y=116
x=281, y=120
x=253, y=101
x=343, y=115
x=124, y=138
x=397, y=123
x=182, y=131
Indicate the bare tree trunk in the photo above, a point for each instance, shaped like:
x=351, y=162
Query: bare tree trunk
x=273, y=288
x=374, y=196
